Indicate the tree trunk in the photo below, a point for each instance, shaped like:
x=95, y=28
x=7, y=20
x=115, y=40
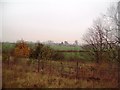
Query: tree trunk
x=77, y=71
x=118, y=67
x=97, y=56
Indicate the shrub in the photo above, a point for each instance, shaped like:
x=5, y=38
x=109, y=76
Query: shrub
x=58, y=56
x=36, y=52
x=45, y=52
x=21, y=49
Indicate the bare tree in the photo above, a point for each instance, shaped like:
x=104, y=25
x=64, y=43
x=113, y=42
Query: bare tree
x=113, y=16
x=95, y=38
x=105, y=35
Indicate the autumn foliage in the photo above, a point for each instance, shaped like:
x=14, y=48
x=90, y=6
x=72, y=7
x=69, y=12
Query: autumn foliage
x=21, y=49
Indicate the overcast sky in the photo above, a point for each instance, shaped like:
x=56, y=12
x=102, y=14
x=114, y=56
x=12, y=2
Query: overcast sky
x=56, y=20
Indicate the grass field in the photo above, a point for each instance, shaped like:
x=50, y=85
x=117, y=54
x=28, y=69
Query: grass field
x=25, y=75
x=70, y=55
x=8, y=45
x=75, y=71
x=67, y=56
x=64, y=47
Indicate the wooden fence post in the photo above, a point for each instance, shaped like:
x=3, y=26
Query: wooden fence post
x=61, y=69
x=77, y=72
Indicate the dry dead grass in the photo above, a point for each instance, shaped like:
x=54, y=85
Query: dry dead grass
x=91, y=75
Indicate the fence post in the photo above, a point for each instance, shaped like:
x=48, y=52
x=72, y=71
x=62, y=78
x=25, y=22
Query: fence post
x=49, y=76
x=77, y=70
x=97, y=56
x=61, y=68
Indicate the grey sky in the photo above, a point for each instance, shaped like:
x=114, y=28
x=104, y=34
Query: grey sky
x=43, y=20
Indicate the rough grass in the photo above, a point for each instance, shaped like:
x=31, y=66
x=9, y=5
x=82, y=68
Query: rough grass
x=24, y=74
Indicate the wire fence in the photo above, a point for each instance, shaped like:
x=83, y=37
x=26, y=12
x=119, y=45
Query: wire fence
x=81, y=71
x=95, y=73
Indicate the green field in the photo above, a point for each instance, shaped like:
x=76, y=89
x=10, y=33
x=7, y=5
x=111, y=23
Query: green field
x=63, y=47
x=72, y=55
x=8, y=45
x=67, y=55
